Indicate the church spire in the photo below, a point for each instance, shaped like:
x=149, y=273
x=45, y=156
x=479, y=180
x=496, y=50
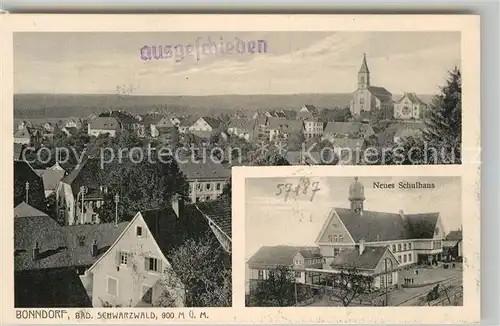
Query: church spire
x=364, y=74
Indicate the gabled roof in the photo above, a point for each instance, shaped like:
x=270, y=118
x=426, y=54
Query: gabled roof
x=311, y=108
x=381, y=93
x=25, y=210
x=151, y=119
x=187, y=121
x=23, y=172
x=51, y=239
x=51, y=178
x=22, y=133
x=422, y=226
x=348, y=128
x=454, y=235
x=209, y=170
x=245, y=124
x=412, y=97
x=123, y=118
x=104, y=123
x=80, y=238
x=368, y=260
x=49, y=288
x=273, y=256
x=286, y=126
x=219, y=212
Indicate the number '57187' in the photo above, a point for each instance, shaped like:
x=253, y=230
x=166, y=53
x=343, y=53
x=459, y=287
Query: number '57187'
x=287, y=188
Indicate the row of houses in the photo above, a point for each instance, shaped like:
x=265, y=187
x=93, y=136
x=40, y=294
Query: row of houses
x=377, y=244
x=102, y=265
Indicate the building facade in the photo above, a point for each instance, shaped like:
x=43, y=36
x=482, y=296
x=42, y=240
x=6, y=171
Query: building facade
x=409, y=107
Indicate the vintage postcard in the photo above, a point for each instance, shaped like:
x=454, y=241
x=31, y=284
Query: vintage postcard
x=141, y=144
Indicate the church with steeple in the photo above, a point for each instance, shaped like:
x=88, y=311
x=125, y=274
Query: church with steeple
x=368, y=99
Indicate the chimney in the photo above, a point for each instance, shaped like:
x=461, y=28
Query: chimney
x=177, y=205
x=36, y=251
x=93, y=250
x=361, y=246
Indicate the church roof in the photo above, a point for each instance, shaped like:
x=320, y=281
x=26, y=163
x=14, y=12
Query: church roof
x=364, y=66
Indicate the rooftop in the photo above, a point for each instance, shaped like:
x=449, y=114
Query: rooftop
x=273, y=256
x=369, y=259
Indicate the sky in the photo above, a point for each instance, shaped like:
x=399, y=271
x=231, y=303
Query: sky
x=295, y=62
x=270, y=220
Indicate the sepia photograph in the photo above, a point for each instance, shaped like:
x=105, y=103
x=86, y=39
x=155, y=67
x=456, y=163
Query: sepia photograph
x=357, y=242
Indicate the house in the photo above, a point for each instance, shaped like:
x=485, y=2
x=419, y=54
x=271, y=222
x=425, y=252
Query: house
x=307, y=112
x=175, y=120
x=49, y=288
x=409, y=107
x=282, y=114
x=80, y=193
x=28, y=186
x=452, y=245
x=51, y=178
x=207, y=180
x=297, y=258
x=347, y=130
x=104, y=125
x=72, y=123
x=408, y=130
x=261, y=133
x=242, y=128
x=378, y=244
x=208, y=124
x=282, y=128
x=167, y=131
x=369, y=98
x=136, y=270
x=22, y=136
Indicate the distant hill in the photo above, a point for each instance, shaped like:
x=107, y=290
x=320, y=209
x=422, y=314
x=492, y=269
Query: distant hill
x=82, y=105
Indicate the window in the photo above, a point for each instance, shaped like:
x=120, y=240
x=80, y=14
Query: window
x=389, y=278
x=152, y=264
x=335, y=239
x=436, y=232
x=138, y=231
x=399, y=258
x=409, y=258
x=147, y=294
x=208, y=186
x=123, y=258
x=341, y=238
x=296, y=261
x=217, y=186
x=382, y=281
x=404, y=247
x=198, y=187
x=112, y=286
x=260, y=274
x=409, y=246
x=94, y=218
x=298, y=274
x=197, y=199
x=404, y=258
x=393, y=248
x=361, y=100
x=330, y=238
x=336, y=251
x=362, y=79
x=399, y=247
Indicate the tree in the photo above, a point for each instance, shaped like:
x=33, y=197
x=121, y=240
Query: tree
x=201, y=269
x=350, y=284
x=444, y=119
x=278, y=290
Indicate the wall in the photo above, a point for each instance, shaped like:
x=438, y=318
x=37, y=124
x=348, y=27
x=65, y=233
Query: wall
x=203, y=192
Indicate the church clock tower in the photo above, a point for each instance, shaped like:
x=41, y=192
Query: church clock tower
x=364, y=75
x=357, y=196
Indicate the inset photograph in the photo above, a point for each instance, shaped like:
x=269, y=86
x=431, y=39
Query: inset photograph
x=348, y=242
